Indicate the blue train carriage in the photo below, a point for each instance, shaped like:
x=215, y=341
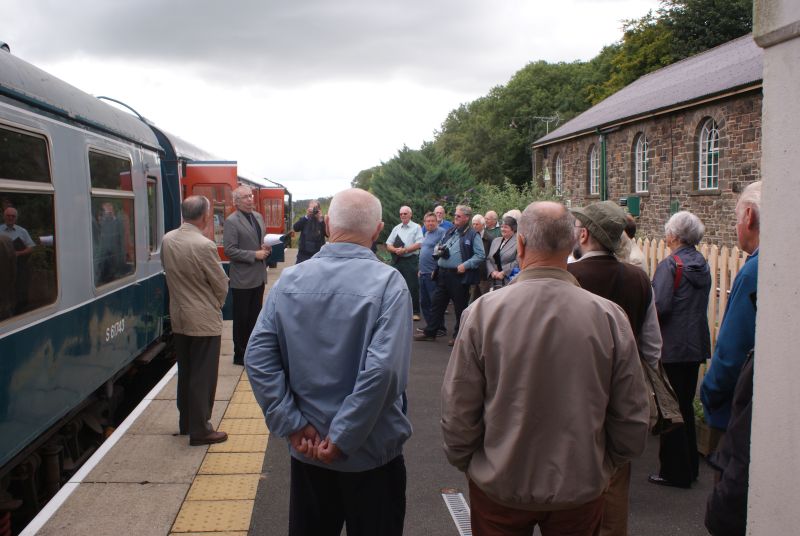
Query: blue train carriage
x=82, y=293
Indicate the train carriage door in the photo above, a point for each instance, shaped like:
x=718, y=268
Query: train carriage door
x=216, y=181
x=271, y=208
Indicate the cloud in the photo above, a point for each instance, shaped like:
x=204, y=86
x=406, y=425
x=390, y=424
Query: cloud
x=445, y=43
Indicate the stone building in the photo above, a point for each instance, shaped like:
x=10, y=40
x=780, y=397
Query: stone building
x=685, y=137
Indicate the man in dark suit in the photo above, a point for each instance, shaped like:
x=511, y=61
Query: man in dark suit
x=242, y=238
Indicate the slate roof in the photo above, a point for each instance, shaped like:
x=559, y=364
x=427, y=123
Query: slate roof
x=732, y=65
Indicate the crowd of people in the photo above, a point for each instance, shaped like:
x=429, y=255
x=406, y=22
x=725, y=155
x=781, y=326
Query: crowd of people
x=544, y=421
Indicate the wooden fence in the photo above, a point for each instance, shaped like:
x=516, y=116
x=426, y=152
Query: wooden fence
x=724, y=262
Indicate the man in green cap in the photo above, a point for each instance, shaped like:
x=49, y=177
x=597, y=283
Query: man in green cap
x=598, y=228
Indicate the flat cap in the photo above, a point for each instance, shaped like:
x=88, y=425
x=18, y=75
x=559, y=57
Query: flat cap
x=605, y=221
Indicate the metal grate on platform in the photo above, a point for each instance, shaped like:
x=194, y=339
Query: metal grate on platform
x=459, y=511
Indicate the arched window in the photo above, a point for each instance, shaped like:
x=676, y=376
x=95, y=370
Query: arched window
x=559, y=175
x=708, y=152
x=640, y=164
x=594, y=171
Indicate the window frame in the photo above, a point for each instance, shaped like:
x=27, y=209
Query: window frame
x=594, y=170
x=641, y=168
x=122, y=195
x=708, y=145
x=15, y=186
x=559, y=174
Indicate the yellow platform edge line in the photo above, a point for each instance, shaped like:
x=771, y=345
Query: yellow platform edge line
x=244, y=506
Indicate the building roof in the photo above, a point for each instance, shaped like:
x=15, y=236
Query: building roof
x=730, y=66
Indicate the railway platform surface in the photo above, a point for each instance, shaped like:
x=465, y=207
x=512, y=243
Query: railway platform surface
x=151, y=482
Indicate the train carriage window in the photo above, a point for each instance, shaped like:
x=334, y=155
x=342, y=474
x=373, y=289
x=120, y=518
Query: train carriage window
x=28, y=277
x=273, y=208
x=113, y=225
x=152, y=214
x=221, y=197
x=23, y=157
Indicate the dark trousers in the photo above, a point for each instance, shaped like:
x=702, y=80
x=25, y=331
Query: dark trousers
x=304, y=256
x=427, y=287
x=198, y=361
x=448, y=287
x=677, y=453
x=369, y=503
x=409, y=268
x=489, y=518
x=247, y=303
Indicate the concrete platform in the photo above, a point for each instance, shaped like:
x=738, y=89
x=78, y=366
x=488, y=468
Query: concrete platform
x=147, y=480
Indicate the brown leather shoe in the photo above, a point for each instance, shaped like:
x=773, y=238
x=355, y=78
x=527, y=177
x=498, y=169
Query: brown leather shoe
x=451, y=342
x=210, y=438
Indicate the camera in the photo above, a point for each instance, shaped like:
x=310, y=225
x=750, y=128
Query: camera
x=441, y=252
x=315, y=211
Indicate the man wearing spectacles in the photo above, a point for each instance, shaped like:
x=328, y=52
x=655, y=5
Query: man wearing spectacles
x=243, y=236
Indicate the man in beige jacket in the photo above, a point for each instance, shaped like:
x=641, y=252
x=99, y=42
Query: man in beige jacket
x=197, y=289
x=544, y=395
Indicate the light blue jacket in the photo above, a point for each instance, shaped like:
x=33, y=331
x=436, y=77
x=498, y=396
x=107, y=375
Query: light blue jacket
x=736, y=338
x=332, y=347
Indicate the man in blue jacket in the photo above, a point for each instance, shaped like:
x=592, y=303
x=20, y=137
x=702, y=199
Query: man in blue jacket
x=328, y=362
x=737, y=332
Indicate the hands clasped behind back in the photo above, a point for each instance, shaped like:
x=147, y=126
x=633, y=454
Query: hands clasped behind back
x=307, y=442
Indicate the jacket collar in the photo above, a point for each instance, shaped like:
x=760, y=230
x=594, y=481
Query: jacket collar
x=546, y=272
x=346, y=249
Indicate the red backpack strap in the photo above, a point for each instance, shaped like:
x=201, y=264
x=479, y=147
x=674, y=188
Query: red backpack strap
x=678, y=272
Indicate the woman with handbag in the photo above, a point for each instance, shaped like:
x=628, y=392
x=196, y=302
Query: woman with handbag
x=681, y=287
x=502, y=256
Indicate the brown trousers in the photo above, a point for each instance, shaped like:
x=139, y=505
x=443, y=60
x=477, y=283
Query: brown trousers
x=615, y=516
x=492, y=519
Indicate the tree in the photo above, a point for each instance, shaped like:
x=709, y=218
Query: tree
x=697, y=25
x=506, y=196
x=364, y=178
x=420, y=179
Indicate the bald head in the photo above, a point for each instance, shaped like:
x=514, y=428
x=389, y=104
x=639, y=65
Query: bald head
x=546, y=230
x=354, y=216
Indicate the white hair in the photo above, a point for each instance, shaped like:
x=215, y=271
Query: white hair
x=686, y=227
x=478, y=218
x=514, y=213
x=355, y=210
x=751, y=197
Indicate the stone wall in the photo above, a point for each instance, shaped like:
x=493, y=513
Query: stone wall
x=672, y=164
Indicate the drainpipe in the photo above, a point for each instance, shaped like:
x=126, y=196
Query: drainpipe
x=603, y=173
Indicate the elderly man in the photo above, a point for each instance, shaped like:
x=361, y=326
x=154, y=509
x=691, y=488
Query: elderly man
x=460, y=252
x=509, y=392
x=427, y=266
x=404, y=243
x=312, y=232
x=737, y=331
x=23, y=247
x=197, y=290
x=598, y=229
x=342, y=381
x=242, y=238
x=443, y=223
x=492, y=226
x=23, y=243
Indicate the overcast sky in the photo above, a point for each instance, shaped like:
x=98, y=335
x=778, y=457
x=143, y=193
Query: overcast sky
x=304, y=92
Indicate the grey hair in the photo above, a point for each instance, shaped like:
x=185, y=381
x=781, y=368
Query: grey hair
x=541, y=231
x=751, y=197
x=514, y=213
x=479, y=218
x=686, y=227
x=492, y=212
x=356, y=211
x=193, y=207
x=239, y=192
x=465, y=209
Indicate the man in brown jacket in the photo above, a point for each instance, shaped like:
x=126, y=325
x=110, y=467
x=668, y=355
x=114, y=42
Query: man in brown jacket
x=197, y=289
x=540, y=417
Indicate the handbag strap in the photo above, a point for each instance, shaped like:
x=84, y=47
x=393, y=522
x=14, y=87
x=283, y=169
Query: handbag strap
x=678, y=273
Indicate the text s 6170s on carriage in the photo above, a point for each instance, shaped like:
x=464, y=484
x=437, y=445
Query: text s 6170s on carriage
x=86, y=193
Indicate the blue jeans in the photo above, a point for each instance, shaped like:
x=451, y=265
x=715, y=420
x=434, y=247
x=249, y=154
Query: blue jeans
x=426, y=288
